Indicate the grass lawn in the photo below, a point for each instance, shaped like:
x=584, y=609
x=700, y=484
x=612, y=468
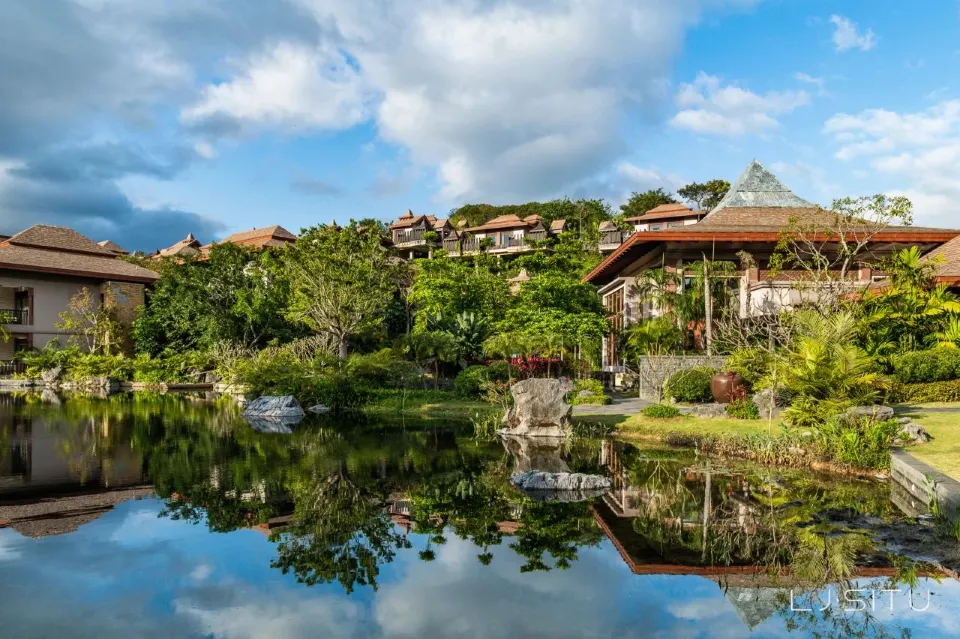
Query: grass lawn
x=639, y=425
x=943, y=451
x=427, y=404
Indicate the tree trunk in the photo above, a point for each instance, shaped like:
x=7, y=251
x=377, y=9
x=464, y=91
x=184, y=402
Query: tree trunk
x=342, y=349
x=708, y=308
x=436, y=374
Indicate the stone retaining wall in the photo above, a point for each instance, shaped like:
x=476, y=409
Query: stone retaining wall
x=659, y=369
x=918, y=483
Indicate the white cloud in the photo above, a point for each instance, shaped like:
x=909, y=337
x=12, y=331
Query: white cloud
x=9, y=542
x=707, y=106
x=817, y=81
x=287, y=86
x=918, y=151
x=846, y=35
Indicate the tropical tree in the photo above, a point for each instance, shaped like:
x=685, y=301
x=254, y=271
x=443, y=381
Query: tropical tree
x=90, y=323
x=707, y=195
x=640, y=203
x=430, y=348
x=342, y=281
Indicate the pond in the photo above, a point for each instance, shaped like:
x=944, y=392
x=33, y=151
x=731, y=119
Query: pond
x=169, y=516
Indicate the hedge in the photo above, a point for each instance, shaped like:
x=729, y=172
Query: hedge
x=595, y=386
x=920, y=393
x=661, y=411
x=691, y=385
x=936, y=365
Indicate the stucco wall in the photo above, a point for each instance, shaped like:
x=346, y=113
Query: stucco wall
x=51, y=296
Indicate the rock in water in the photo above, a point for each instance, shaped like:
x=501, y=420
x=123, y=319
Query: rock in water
x=539, y=480
x=319, y=409
x=540, y=409
x=273, y=425
x=274, y=406
x=52, y=375
x=535, y=453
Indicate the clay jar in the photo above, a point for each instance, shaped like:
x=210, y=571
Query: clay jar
x=727, y=386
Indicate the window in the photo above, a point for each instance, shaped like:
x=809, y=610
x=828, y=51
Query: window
x=21, y=344
x=675, y=225
x=656, y=227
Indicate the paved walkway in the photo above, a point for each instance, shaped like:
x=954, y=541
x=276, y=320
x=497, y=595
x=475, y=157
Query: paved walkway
x=620, y=406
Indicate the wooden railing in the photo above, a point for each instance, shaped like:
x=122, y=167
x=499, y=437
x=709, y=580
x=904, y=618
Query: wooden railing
x=14, y=315
x=8, y=368
x=613, y=238
x=413, y=236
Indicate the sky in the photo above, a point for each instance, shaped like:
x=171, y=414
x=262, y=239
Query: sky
x=131, y=573
x=141, y=121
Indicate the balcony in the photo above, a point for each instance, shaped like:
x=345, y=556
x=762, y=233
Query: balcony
x=611, y=240
x=15, y=315
x=410, y=239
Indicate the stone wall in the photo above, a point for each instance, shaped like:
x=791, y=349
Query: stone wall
x=654, y=371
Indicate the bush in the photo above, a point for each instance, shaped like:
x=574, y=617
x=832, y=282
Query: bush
x=743, y=409
x=660, y=411
x=864, y=443
x=469, y=384
x=50, y=356
x=595, y=386
x=691, y=385
x=185, y=368
x=809, y=413
x=752, y=364
x=920, y=393
x=937, y=365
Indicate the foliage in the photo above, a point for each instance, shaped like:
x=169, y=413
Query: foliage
x=691, y=385
x=863, y=443
x=91, y=323
x=640, y=203
x=598, y=397
x=936, y=365
x=743, y=408
x=469, y=383
x=808, y=413
x=659, y=334
x=660, y=411
x=582, y=216
x=752, y=364
x=175, y=368
x=921, y=393
x=431, y=348
x=342, y=281
x=707, y=195
x=232, y=295
x=485, y=427
x=50, y=356
x=468, y=331
x=448, y=288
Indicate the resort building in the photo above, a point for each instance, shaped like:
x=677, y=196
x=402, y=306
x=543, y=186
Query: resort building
x=665, y=216
x=503, y=234
x=43, y=267
x=258, y=238
x=419, y=235
x=748, y=221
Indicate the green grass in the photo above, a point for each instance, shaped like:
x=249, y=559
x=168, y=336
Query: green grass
x=427, y=403
x=943, y=451
x=639, y=425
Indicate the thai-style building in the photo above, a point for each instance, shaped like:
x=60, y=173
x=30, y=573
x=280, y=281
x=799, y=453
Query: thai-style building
x=665, y=216
x=504, y=234
x=749, y=220
x=258, y=238
x=419, y=235
x=43, y=267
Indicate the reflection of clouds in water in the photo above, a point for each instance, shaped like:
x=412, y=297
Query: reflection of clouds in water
x=10, y=542
x=201, y=572
x=143, y=526
x=457, y=596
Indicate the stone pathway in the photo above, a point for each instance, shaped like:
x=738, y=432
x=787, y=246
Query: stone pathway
x=620, y=406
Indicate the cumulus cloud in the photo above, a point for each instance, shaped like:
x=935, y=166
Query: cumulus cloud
x=847, y=35
x=918, y=151
x=707, y=106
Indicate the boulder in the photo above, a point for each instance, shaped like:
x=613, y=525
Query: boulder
x=540, y=409
x=767, y=399
x=52, y=375
x=535, y=480
x=874, y=413
x=273, y=406
x=914, y=432
x=535, y=454
x=49, y=396
x=210, y=378
x=273, y=425
x=710, y=410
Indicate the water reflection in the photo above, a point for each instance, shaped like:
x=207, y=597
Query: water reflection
x=341, y=505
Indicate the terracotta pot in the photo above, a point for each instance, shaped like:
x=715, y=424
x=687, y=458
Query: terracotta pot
x=726, y=386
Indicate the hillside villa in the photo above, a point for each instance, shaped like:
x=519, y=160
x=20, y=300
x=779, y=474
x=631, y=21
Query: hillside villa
x=42, y=267
x=266, y=237
x=505, y=234
x=749, y=219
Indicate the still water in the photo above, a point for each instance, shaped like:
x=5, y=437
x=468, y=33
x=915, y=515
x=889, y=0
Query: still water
x=170, y=516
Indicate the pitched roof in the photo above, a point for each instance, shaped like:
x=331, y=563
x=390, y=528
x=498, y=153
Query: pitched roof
x=557, y=226
x=665, y=211
x=54, y=249
x=262, y=235
x=113, y=247
x=760, y=190
x=187, y=246
x=606, y=225
x=509, y=221
x=947, y=257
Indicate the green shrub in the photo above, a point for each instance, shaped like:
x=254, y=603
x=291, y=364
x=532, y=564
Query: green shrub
x=743, y=409
x=919, y=367
x=50, y=356
x=691, y=385
x=751, y=363
x=470, y=383
x=185, y=368
x=864, y=443
x=660, y=411
x=86, y=365
x=920, y=393
x=809, y=413
x=595, y=386
x=590, y=400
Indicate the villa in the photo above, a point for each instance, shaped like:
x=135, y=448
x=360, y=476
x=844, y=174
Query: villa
x=665, y=216
x=411, y=232
x=43, y=267
x=258, y=238
x=749, y=220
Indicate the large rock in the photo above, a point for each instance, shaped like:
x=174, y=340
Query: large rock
x=769, y=402
x=913, y=431
x=273, y=406
x=538, y=480
x=535, y=453
x=273, y=425
x=52, y=375
x=873, y=413
x=540, y=409
x=710, y=410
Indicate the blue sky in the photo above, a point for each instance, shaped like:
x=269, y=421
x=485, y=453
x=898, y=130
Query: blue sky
x=130, y=573
x=139, y=121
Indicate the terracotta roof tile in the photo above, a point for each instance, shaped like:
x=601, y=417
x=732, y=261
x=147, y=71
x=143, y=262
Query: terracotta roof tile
x=264, y=234
x=508, y=221
x=113, y=247
x=666, y=212
x=59, y=238
x=557, y=226
x=187, y=246
x=946, y=258
x=42, y=260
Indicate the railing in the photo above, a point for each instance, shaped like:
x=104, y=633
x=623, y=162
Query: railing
x=12, y=368
x=511, y=242
x=413, y=236
x=613, y=238
x=470, y=244
x=14, y=315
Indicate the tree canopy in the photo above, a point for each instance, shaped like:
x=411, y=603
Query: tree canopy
x=706, y=195
x=640, y=203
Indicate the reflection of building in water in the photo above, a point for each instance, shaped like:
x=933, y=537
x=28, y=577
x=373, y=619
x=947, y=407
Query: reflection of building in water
x=54, y=456
x=62, y=515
